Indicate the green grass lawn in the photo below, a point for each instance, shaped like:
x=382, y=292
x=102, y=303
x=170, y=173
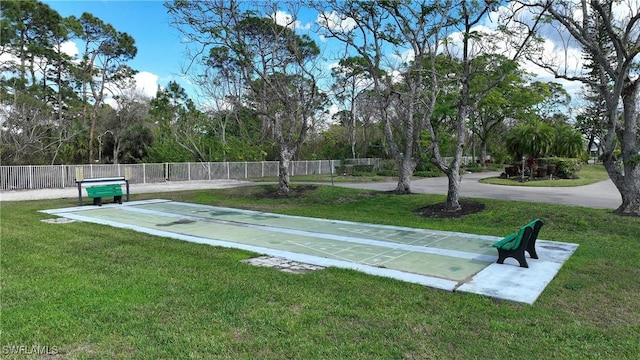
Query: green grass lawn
x=589, y=174
x=94, y=292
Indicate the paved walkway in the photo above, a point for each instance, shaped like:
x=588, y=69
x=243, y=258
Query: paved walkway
x=602, y=195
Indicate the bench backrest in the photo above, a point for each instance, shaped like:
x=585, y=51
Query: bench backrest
x=533, y=229
x=104, y=190
x=536, y=225
x=528, y=232
x=523, y=233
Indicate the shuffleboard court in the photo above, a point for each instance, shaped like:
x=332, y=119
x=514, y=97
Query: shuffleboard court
x=445, y=260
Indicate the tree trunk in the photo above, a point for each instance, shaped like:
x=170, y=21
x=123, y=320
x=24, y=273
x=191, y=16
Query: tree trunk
x=626, y=175
x=405, y=170
x=283, y=176
x=453, y=203
x=630, y=191
x=483, y=154
x=116, y=150
x=92, y=131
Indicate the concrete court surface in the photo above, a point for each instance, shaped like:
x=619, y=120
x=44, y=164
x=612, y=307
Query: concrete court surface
x=444, y=260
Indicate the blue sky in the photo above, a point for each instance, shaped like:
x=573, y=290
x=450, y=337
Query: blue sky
x=160, y=51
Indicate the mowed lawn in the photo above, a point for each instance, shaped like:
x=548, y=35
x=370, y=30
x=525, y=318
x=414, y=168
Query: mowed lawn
x=88, y=291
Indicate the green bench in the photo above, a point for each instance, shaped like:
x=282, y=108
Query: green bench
x=514, y=245
x=99, y=191
x=114, y=180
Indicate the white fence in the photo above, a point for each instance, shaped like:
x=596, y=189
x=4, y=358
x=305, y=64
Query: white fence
x=61, y=176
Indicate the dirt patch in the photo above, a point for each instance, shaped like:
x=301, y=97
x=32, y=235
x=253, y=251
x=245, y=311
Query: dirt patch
x=294, y=192
x=437, y=210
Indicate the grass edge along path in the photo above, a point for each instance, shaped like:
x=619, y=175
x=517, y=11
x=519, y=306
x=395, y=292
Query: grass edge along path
x=589, y=174
x=91, y=291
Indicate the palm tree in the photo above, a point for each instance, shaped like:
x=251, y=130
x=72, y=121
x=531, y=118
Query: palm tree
x=568, y=142
x=533, y=138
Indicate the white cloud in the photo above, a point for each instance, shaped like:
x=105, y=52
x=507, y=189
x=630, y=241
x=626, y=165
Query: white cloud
x=335, y=22
x=146, y=83
x=488, y=41
x=70, y=48
x=285, y=19
x=565, y=55
x=111, y=102
x=406, y=56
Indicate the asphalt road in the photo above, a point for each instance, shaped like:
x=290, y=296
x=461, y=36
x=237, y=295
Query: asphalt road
x=602, y=195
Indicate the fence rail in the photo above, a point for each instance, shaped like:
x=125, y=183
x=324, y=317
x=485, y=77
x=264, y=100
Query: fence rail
x=23, y=177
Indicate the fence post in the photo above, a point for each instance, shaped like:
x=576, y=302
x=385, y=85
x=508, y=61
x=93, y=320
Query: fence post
x=30, y=177
x=144, y=173
x=228, y=171
x=262, y=169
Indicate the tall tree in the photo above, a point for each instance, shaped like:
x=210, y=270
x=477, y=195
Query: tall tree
x=473, y=47
x=350, y=78
x=278, y=66
x=609, y=32
x=130, y=112
x=179, y=122
x=106, y=51
x=591, y=119
x=35, y=80
x=376, y=33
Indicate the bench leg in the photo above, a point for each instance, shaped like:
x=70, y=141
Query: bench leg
x=519, y=256
x=117, y=199
x=531, y=249
x=97, y=201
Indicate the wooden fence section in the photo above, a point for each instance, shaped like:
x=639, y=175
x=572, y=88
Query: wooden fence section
x=61, y=176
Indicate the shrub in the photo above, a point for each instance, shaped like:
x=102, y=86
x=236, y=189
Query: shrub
x=363, y=168
x=436, y=173
x=387, y=173
x=388, y=164
x=344, y=170
x=426, y=165
x=564, y=168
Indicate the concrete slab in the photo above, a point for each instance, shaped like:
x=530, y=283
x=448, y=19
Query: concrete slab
x=443, y=260
x=509, y=281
